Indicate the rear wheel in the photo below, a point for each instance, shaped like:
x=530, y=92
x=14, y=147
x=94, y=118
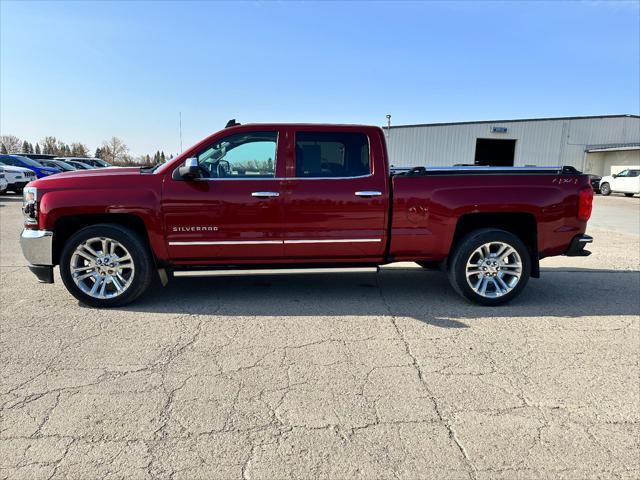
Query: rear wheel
x=605, y=189
x=106, y=266
x=490, y=267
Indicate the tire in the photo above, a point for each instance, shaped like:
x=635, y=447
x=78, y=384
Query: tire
x=132, y=276
x=605, y=189
x=628, y=194
x=500, y=272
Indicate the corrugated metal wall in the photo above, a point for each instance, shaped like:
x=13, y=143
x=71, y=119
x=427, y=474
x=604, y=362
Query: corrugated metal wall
x=538, y=142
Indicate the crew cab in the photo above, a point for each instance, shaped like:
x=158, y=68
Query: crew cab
x=300, y=195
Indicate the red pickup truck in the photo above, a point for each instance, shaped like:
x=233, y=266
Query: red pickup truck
x=298, y=195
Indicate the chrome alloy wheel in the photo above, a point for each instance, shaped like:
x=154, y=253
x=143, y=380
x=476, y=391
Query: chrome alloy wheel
x=494, y=269
x=102, y=267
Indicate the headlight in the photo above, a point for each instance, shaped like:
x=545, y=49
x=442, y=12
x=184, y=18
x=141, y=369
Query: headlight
x=30, y=205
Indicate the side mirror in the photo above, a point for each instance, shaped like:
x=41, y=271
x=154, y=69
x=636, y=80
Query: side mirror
x=188, y=171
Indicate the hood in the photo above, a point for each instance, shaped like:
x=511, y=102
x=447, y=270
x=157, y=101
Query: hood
x=96, y=177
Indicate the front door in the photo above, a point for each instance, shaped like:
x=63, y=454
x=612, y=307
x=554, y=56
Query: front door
x=336, y=202
x=233, y=211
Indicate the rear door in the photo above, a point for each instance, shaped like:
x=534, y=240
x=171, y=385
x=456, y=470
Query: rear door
x=336, y=196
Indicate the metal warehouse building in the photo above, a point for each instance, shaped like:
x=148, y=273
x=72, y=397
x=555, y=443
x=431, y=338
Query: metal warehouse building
x=600, y=144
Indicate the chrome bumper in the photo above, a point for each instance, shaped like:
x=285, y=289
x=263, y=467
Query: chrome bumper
x=37, y=246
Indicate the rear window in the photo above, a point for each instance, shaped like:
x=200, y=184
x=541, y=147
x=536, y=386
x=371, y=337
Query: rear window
x=326, y=155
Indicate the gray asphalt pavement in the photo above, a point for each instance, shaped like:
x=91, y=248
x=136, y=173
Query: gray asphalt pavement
x=329, y=374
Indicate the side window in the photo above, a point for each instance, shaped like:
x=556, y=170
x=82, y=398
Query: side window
x=244, y=155
x=634, y=173
x=325, y=155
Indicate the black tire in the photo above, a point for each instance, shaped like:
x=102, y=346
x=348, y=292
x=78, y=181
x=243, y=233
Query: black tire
x=136, y=247
x=605, y=189
x=628, y=194
x=465, y=249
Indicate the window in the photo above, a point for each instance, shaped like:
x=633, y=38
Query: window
x=325, y=155
x=634, y=173
x=244, y=155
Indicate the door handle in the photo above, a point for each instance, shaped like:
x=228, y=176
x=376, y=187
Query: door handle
x=265, y=194
x=368, y=193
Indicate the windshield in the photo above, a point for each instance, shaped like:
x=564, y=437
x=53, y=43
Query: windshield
x=29, y=161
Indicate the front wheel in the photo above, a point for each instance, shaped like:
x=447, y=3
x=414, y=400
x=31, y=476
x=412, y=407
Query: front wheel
x=490, y=266
x=605, y=189
x=106, y=265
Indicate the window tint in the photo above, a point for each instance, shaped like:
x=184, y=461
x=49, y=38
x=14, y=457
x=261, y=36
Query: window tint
x=244, y=155
x=634, y=173
x=320, y=154
x=10, y=161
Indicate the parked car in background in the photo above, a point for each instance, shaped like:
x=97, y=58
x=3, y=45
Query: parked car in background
x=627, y=182
x=25, y=162
x=16, y=177
x=36, y=156
x=59, y=164
x=3, y=182
x=93, y=162
x=79, y=165
x=595, y=182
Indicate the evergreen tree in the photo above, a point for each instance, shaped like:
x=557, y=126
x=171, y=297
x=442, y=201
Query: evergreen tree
x=162, y=157
x=98, y=153
x=37, y=150
x=25, y=147
x=3, y=149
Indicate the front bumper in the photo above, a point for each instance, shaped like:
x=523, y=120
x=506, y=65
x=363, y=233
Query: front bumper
x=37, y=248
x=576, y=248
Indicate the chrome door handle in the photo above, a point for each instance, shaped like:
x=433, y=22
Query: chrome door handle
x=368, y=193
x=265, y=194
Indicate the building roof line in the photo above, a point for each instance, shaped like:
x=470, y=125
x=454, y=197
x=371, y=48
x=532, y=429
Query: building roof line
x=475, y=122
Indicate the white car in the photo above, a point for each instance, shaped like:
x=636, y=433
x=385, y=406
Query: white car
x=17, y=177
x=3, y=183
x=627, y=182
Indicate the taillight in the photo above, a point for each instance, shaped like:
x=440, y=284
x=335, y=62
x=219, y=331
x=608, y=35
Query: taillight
x=585, y=203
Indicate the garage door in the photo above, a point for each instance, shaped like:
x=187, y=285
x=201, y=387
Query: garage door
x=606, y=163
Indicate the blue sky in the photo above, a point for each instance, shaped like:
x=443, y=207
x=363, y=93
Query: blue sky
x=84, y=71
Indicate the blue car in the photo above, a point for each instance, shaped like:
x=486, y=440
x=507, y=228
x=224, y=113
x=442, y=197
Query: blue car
x=19, y=161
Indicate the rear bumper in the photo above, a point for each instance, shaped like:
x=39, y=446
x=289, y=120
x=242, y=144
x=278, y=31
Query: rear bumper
x=576, y=248
x=37, y=248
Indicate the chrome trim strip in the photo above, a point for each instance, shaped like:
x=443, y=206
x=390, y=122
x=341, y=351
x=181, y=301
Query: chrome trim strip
x=368, y=193
x=231, y=242
x=278, y=242
x=265, y=194
x=337, y=240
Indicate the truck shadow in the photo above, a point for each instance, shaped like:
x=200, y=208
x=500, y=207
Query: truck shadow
x=401, y=292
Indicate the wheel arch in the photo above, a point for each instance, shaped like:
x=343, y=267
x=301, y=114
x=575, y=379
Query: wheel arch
x=521, y=224
x=66, y=226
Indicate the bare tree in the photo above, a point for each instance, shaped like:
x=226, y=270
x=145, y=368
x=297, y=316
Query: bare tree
x=79, y=150
x=11, y=143
x=49, y=145
x=114, y=150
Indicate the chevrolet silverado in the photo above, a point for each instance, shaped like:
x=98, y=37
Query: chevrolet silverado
x=300, y=195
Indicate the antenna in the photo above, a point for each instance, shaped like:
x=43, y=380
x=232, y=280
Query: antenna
x=388, y=124
x=180, y=114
